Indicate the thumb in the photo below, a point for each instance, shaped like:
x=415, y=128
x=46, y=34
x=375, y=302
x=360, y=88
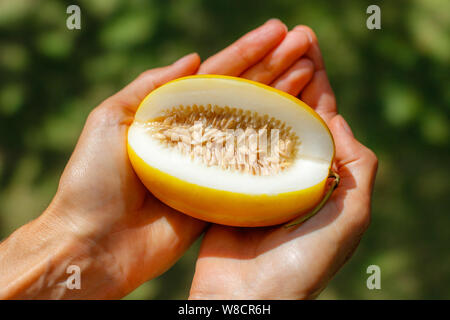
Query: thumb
x=352, y=157
x=357, y=166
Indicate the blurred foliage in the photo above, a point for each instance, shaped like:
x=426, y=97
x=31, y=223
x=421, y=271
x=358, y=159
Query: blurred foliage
x=392, y=85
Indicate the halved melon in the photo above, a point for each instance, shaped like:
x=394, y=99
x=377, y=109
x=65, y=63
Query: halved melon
x=231, y=151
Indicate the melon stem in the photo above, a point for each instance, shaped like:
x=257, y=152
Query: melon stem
x=319, y=206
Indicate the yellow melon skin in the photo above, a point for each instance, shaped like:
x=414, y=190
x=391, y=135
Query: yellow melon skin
x=225, y=207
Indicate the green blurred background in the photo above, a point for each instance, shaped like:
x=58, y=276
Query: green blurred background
x=392, y=86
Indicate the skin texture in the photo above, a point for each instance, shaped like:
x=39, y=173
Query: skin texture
x=103, y=219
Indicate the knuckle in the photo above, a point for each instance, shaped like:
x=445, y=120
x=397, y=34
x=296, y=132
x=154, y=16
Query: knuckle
x=268, y=68
x=97, y=113
x=103, y=115
x=371, y=157
x=306, y=63
x=242, y=53
x=94, y=114
x=145, y=74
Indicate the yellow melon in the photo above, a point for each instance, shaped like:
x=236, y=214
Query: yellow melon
x=231, y=151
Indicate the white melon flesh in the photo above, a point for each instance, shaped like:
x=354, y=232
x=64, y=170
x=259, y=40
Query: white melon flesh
x=310, y=165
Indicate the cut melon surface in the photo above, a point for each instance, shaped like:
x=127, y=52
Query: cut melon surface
x=230, y=151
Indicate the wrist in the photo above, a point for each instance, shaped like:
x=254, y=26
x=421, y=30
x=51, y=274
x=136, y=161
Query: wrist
x=71, y=219
x=38, y=260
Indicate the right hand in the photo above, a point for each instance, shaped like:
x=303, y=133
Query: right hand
x=275, y=262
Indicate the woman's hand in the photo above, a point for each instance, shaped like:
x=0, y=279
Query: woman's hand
x=102, y=219
x=297, y=262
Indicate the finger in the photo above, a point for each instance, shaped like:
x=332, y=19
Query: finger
x=294, y=45
x=132, y=95
x=296, y=77
x=314, y=50
x=349, y=150
x=319, y=95
x=357, y=166
x=246, y=51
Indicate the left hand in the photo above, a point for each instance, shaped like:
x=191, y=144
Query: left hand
x=102, y=218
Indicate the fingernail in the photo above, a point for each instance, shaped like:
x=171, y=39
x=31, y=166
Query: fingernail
x=345, y=125
x=302, y=29
x=272, y=20
x=305, y=32
x=276, y=20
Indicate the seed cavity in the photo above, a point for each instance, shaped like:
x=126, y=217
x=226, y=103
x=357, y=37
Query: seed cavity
x=230, y=138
